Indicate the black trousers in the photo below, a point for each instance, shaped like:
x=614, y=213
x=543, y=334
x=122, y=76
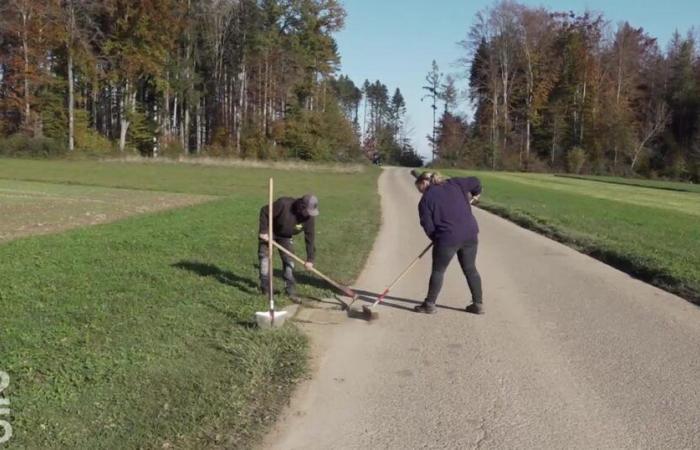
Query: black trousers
x=287, y=264
x=442, y=255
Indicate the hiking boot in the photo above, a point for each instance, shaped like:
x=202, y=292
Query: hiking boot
x=475, y=308
x=427, y=308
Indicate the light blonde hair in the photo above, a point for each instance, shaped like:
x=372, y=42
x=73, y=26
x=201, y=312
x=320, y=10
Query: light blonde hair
x=430, y=177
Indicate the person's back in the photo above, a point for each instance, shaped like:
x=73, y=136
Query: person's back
x=447, y=206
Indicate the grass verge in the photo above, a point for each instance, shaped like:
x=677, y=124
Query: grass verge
x=650, y=234
x=138, y=333
x=652, y=184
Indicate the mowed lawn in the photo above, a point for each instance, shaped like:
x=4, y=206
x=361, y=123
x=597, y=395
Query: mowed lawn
x=138, y=333
x=653, y=234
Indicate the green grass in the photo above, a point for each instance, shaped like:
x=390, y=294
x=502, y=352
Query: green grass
x=138, y=334
x=184, y=178
x=650, y=233
x=31, y=207
x=654, y=184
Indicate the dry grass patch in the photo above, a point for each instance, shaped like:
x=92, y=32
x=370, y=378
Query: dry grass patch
x=29, y=208
x=248, y=163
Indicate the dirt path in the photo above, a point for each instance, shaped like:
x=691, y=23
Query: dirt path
x=570, y=354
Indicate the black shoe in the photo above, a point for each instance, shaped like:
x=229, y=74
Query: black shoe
x=475, y=308
x=427, y=308
x=292, y=295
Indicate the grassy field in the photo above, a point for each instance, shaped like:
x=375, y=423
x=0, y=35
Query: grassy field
x=654, y=234
x=653, y=184
x=29, y=207
x=138, y=333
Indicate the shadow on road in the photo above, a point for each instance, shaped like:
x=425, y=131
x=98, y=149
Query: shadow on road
x=370, y=297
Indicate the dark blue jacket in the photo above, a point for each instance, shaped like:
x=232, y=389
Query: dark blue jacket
x=445, y=212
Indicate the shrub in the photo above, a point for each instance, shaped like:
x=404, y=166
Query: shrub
x=171, y=148
x=19, y=145
x=575, y=160
x=89, y=141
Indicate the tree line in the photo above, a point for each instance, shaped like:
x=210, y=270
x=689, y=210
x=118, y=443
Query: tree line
x=243, y=78
x=561, y=91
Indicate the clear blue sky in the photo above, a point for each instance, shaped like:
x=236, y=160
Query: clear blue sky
x=395, y=41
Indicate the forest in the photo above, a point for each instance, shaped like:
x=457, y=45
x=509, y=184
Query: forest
x=229, y=78
x=560, y=91
x=536, y=89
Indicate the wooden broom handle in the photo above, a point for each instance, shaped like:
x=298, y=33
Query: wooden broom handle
x=345, y=289
x=270, y=213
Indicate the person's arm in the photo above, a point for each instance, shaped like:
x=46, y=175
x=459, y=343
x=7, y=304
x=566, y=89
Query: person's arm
x=426, y=218
x=262, y=229
x=471, y=187
x=310, y=239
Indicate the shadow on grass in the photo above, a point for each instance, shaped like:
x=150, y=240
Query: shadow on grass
x=222, y=276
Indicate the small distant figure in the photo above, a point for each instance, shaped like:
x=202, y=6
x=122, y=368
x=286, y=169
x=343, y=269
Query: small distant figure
x=376, y=159
x=290, y=217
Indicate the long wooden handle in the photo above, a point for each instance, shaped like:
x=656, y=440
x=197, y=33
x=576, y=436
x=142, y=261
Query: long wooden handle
x=270, y=233
x=413, y=263
x=349, y=292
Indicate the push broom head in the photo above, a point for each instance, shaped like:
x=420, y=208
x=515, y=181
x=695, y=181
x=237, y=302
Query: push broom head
x=368, y=313
x=268, y=319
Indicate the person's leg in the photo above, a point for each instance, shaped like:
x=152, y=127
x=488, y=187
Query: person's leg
x=467, y=260
x=288, y=267
x=442, y=256
x=264, y=260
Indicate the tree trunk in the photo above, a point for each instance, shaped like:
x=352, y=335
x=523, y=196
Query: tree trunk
x=527, y=142
x=506, y=118
x=71, y=103
x=123, y=116
x=71, y=87
x=434, y=126
x=93, y=106
x=554, y=142
x=174, y=123
x=25, y=51
x=583, y=114
x=529, y=101
x=166, y=109
x=241, y=108
x=185, y=128
x=494, y=128
x=198, y=147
